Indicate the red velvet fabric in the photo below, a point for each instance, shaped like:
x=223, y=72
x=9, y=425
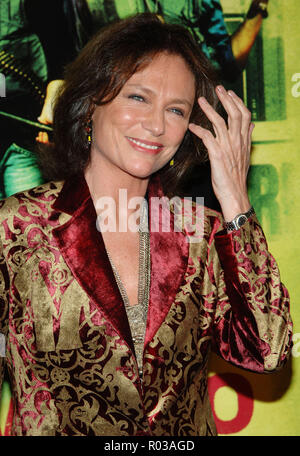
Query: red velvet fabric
x=83, y=249
x=169, y=258
x=169, y=261
x=69, y=351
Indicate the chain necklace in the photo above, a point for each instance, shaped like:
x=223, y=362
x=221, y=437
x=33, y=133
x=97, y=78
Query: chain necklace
x=137, y=314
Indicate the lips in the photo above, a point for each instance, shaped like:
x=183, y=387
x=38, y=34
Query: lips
x=144, y=145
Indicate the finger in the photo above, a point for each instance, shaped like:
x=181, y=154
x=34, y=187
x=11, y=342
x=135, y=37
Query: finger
x=251, y=128
x=207, y=138
x=218, y=123
x=235, y=115
x=246, y=114
x=202, y=133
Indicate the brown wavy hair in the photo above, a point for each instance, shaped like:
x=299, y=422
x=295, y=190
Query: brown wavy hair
x=98, y=74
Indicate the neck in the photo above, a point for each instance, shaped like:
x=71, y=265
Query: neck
x=106, y=182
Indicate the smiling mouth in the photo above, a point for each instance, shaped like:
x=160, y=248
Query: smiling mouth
x=145, y=145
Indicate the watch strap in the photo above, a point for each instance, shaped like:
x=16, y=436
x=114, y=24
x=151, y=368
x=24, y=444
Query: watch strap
x=239, y=220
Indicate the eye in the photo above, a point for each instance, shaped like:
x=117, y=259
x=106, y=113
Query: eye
x=136, y=97
x=177, y=111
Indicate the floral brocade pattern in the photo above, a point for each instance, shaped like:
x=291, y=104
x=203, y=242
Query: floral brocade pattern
x=69, y=350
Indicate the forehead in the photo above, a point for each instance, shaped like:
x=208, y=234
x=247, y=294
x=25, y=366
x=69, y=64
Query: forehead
x=166, y=73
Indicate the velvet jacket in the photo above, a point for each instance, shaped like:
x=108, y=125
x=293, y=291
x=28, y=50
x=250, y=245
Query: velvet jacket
x=69, y=350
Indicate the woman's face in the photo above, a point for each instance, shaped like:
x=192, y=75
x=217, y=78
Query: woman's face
x=141, y=129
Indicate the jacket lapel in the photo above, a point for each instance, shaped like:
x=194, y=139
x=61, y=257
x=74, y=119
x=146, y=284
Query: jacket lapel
x=169, y=259
x=83, y=250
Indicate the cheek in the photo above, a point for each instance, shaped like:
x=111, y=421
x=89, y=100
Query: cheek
x=112, y=117
x=126, y=118
x=177, y=133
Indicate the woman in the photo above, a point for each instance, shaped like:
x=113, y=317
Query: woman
x=109, y=333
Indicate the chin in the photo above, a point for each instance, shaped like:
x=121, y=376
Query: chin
x=142, y=172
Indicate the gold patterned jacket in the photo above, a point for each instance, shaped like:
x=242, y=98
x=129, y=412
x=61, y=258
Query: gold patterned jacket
x=69, y=351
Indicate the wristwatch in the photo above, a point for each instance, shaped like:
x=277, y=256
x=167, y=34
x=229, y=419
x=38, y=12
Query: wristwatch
x=258, y=8
x=239, y=220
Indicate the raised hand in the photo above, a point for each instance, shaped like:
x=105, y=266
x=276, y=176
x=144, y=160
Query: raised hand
x=229, y=151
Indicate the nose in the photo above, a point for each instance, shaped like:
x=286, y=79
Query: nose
x=154, y=121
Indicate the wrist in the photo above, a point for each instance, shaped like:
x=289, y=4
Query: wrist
x=239, y=220
x=231, y=207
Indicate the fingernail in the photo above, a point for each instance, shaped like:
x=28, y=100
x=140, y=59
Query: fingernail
x=220, y=88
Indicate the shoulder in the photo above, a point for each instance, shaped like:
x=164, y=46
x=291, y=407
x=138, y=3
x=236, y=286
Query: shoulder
x=35, y=202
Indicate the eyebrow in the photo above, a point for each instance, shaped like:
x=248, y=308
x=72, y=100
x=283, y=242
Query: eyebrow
x=182, y=101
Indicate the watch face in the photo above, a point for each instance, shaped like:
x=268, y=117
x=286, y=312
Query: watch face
x=241, y=220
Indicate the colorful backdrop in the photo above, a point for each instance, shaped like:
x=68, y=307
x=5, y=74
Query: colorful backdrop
x=245, y=403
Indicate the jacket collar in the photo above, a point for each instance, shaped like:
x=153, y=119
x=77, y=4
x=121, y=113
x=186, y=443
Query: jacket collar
x=83, y=249
x=73, y=195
